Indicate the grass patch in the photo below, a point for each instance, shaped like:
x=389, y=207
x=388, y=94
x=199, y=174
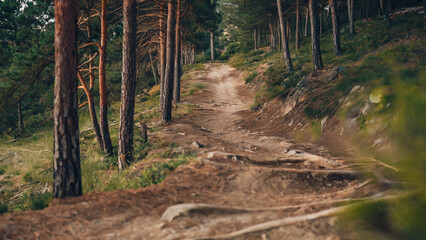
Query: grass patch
x=250, y=77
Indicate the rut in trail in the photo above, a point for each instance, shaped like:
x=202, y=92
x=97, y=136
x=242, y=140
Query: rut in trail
x=246, y=185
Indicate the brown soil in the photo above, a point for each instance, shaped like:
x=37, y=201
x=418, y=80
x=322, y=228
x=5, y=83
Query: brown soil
x=237, y=167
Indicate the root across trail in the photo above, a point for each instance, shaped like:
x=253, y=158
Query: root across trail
x=244, y=185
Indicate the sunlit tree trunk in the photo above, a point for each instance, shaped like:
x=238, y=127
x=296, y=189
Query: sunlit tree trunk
x=287, y=58
x=306, y=22
x=316, y=49
x=177, y=67
x=103, y=101
x=128, y=85
x=66, y=152
x=167, y=84
x=351, y=17
x=212, y=45
x=162, y=49
x=92, y=110
x=297, y=43
x=336, y=29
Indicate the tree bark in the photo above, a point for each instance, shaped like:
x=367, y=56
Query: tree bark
x=306, y=22
x=103, y=101
x=163, y=39
x=384, y=11
x=144, y=132
x=258, y=38
x=177, y=67
x=128, y=85
x=167, y=84
x=316, y=49
x=212, y=45
x=297, y=43
x=284, y=39
x=66, y=152
x=351, y=17
x=92, y=110
x=336, y=28
x=288, y=30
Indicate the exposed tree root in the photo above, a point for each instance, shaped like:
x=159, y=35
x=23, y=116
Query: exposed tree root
x=277, y=223
x=185, y=209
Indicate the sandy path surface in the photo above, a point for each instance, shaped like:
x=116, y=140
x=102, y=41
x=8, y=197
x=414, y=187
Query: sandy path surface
x=241, y=179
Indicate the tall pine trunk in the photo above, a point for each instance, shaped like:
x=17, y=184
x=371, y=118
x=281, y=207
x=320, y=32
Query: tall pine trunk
x=163, y=39
x=20, y=118
x=128, y=85
x=351, y=17
x=103, y=101
x=177, y=67
x=336, y=29
x=92, y=110
x=154, y=71
x=306, y=22
x=66, y=152
x=255, y=39
x=167, y=84
x=272, y=37
x=297, y=43
x=284, y=38
x=212, y=45
x=316, y=49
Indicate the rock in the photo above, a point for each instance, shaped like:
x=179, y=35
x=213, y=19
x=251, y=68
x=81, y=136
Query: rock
x=196, y=144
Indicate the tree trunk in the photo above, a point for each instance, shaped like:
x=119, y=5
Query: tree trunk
x=306, y=22
x=177, y=67
x=167, y=85
x=128, y=85
x=316, y=49
x=193, y=55
x=66, y=152
x=258, y=38
x=284, y=39
x=320, y=22
x=212, y=45
x=336, y=29
x=255, y=39
x=272, y=37
x=103, y=102
x=163, y=39
x=279, y=35
x=351, y=17
x=384, y=11
x=144, y=132
x=20, y=119
x=154, y=71
x=92, y=110
x=297, y=43
x=288, y=30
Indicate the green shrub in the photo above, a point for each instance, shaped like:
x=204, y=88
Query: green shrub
x=31, y=201
x=250, y=77
x=3, y=207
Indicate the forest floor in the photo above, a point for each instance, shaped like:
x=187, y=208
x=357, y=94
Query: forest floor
x=241, y=178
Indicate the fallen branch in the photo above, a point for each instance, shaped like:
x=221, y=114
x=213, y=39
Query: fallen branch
x=277, y=223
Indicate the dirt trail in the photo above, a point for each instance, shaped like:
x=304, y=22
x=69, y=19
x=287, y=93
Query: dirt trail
x=243, y=178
